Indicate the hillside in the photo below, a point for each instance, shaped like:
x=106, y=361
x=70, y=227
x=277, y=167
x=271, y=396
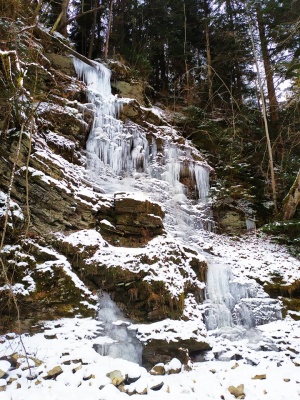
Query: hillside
x=103, y=198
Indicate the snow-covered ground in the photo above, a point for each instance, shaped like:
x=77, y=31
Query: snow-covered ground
x=266, y=361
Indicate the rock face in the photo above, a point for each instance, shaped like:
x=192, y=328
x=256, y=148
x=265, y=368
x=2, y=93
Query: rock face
x=230, y=220
x=51, y=198
x=132, y=221
x=160, y=350
x=132, y=281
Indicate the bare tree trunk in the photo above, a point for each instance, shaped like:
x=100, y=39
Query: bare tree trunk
x=292, y=200
x=60, y=23
x=36, y=11
x=92, y=41
x=264, y=112
x=61, y=26
x=237, y=78
x=185, y=58
x=108, y=28
x=273, y=103
x=208, y=56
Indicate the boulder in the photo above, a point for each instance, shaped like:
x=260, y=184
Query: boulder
x=54, y=372
x=116, y=376
x=133, y=111
x=158, y=350
x=133, y=90
x=158, y=369
x=230, y=220
x=237, y=391
x=132, y=221
x=4, y=367
x=173, y=367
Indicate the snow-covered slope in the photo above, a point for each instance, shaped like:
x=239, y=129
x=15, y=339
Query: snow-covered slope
x=127, y=216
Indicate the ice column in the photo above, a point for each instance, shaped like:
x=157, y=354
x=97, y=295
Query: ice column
x=115, y=339
x=202, y=181
x=110, y=144
x=234, y=301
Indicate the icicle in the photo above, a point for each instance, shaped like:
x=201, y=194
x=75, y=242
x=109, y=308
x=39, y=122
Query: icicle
x=202, y=181
x=118, y=150
x=97, y=78
x=117, y=340
x=233, y=302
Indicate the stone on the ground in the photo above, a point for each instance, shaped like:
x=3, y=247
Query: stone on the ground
x=157, y=386
x=237, y=391
x=54, y=372
x=262, y=376
x=3, y=385
x=116, y=377
x=158, y=369
x=77, y=368
x=173, y=367
x=4, y=367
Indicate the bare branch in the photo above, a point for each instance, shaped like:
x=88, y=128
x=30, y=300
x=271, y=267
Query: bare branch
x=79, y=16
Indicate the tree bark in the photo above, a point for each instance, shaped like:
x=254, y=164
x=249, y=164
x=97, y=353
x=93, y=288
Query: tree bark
x=36, y=11
x=292, y=200
x=92, y=41
x=61, y=19
x=108, y=29
x=208, y=56
x=273, y=103
x=264, y=113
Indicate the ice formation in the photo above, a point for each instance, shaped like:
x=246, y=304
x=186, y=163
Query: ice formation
x=124, y=151
x=236, y=301
x=117, y=341
x=121, y=157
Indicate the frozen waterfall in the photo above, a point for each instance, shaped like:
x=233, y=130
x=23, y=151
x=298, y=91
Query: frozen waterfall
x=232, y=301
x=122, y=157
x=114, y=338
x=126, y=157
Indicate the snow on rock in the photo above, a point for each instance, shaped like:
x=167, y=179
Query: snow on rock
x=84, y=238
x=253, y=256
x=84, y=371
x=173, y=366
x=4, y=368
x=14, y=213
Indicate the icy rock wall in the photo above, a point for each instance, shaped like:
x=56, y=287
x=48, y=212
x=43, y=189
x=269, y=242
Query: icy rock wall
x=120, y=150
x=232, y=301
x=115, y=339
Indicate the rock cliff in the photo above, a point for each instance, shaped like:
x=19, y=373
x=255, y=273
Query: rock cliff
x=60, y=232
